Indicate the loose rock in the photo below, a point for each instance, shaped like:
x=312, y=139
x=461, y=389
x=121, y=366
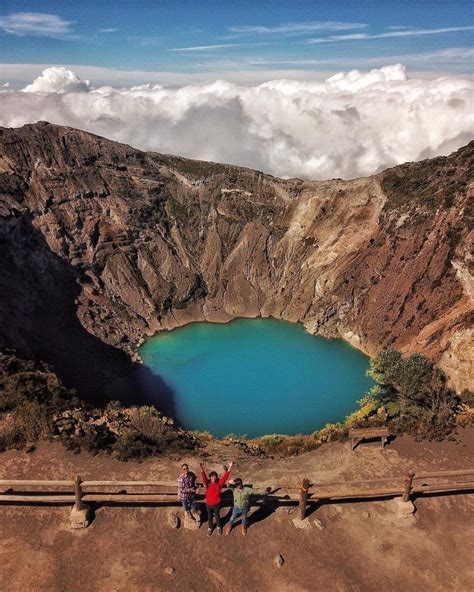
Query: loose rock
x=279, y=561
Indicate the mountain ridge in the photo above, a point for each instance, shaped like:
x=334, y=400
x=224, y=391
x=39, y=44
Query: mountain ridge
x=107, y=244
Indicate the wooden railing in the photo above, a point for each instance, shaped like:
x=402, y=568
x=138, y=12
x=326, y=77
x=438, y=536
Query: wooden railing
x=409, y=485
x=80, y=493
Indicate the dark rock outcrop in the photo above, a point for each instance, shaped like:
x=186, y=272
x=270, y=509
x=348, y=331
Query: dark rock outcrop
x=102, y=244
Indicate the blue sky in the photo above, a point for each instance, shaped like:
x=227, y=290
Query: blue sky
x=214, y=39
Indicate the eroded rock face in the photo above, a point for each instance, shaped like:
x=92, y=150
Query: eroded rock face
x=102, y=244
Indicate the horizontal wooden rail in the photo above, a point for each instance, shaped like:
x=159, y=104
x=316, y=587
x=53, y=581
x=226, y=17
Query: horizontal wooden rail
x=38, y=499
x=439, y=474
x=129, y=484
x=87, y=483
x=34, y=483
x=361, y=494
x=440, y=487
x=128, y=497
x=378, y=480
x=92, y=491
x=391, y=492
x=158, y=498
x=17, y=483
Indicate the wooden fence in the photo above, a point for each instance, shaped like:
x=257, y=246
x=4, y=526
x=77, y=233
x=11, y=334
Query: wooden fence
x=302, y=493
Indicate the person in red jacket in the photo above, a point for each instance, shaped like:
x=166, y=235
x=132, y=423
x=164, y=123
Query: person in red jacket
x=213, y=487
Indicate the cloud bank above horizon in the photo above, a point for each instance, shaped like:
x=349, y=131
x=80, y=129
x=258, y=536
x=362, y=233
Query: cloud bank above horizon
x=352, y=124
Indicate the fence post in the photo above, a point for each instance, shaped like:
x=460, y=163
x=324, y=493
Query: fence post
x=408, y=477
x=80, y=513
x=304, y=497
x=78, y=493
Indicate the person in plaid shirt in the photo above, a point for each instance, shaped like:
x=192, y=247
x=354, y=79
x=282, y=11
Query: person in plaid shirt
x=187, y=490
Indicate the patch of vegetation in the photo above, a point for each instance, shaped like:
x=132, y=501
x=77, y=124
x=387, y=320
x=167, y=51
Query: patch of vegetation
x=154, y=213
x=177, y=209
x=429, y=183
x=195, y=169
x=288, y=445
x=283, y=446
x=35, y=405
x=467, y=397
x=414, y=393
x=466, y=415
x=30, y=394
x=34, y=386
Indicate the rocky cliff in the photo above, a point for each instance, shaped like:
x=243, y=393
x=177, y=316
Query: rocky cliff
x=102, y=245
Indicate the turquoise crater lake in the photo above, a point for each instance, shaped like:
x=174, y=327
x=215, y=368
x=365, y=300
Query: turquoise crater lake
x=254, y=376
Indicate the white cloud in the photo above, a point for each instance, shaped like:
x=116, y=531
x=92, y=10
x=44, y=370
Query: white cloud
x=300, y=28
x=205, y=47
x=36, y=23
x=221, y=46
x=254, y=70
x=236, y=71
x=109, y=30
x=401, y=33
x=351, y=124
x=451, y=56
x=58, y=80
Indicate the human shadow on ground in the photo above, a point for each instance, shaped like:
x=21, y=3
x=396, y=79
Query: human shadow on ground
x=265, y=508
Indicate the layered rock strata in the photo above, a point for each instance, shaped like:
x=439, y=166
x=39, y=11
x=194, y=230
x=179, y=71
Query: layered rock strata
x=102, y=245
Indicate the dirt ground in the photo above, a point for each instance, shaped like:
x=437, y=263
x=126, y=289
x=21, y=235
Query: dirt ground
x=362, y=546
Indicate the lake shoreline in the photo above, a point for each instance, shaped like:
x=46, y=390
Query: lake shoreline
x=278, y=359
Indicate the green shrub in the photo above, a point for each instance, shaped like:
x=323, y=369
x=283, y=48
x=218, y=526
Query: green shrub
x=467, y=397
x=32, y=420
x=129, y=446
x=416, y=391
x=332, y=432
x=94, y=438
x=235, y=437
x=392, y=408
x=149, y=423
x=27, y=424
x=11, y=435
x=368, y=406
x=201, y=437
x=43, y=387
x=280, y=445
x=270, y=439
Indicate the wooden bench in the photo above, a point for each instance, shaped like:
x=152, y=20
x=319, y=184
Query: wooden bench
x=358, y=434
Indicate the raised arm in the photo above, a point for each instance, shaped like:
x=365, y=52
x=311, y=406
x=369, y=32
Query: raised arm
x=225, y=476
x=204, y=478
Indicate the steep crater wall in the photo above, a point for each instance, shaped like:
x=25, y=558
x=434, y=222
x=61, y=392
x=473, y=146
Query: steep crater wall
x=125, y=243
